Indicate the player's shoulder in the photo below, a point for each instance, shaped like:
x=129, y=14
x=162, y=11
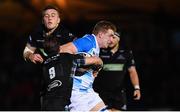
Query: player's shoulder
x=65, y=55
x=37, y=32
x=125, y=52
x=62, y=31
x=86, y=40
x=60, y=57
x=89, y=37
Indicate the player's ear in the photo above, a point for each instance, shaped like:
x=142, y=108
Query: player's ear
x=100, y=34
x=59, y=20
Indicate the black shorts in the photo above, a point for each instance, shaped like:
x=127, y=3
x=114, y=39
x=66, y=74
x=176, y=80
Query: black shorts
x=114, y=99
x=54, y=103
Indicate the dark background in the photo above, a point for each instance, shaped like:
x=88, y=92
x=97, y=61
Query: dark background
x=151, y=28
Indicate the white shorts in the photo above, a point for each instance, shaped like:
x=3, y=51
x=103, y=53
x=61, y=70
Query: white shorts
x=84, y=101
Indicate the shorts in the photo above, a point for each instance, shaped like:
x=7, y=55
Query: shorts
x=114, y=99
x=84, y=101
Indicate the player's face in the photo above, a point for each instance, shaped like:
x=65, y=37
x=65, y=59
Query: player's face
x=107, y=38
x=51, y=19
x=114, y=42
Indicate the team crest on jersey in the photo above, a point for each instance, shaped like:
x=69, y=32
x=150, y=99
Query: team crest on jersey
x=70, y=34
x=55, y=83
x=120, y=57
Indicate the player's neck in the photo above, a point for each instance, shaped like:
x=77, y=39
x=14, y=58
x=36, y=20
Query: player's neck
x=51, y=31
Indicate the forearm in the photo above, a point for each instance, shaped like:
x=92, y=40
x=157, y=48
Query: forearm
x=134, y=78
x=93, y=61
x=29, y=54
x=135, y=81
x=86, y=63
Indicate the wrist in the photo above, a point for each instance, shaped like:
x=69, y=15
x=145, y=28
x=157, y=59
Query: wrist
x=27, y=52
x=136, y=87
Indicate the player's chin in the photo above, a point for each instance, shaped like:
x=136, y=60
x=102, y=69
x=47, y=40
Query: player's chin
x=106, y=46
x=110, y=45
x=50, y=26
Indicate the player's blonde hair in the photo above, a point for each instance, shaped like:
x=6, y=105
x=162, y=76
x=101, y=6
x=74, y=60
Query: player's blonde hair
x=103, y=26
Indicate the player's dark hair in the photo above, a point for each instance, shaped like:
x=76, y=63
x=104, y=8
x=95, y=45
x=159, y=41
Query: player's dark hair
x=51, y=45
x=51, y=7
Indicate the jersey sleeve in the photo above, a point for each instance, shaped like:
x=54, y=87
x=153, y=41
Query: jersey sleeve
x=130, y=61
x=31, y=41
x=35, y=35
x=64, y=35
x=83, y=44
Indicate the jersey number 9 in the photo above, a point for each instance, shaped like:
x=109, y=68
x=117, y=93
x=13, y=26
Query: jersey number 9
x=52, y=73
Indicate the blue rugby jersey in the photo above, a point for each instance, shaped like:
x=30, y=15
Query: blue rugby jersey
x=88, y=44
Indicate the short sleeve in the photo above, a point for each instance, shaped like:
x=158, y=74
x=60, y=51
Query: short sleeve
x=130, y=59
x=83, y=44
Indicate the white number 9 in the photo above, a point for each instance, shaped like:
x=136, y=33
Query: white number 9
x=52, y=72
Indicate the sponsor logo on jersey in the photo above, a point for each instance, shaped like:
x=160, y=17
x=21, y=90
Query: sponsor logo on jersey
x=55, y=83
x=40, y=40
x=113, y=67
x=70, y=34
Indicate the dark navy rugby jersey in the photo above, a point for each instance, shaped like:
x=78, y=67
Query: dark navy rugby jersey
x=58, y=71
x=114, y=70
x=36, y=38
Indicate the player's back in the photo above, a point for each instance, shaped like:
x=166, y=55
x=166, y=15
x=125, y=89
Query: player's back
x=57, y=73
x=57, y=81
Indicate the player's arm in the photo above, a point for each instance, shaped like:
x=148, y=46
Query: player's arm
x=93, y=60
x=79, y=45
x=85, y=61
x=29, y=54
x=96, y=64
x=68, y=48
x=135, y=81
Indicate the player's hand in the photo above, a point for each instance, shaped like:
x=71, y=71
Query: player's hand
x=137, y=94
x=36, y=58
x=95, y=73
